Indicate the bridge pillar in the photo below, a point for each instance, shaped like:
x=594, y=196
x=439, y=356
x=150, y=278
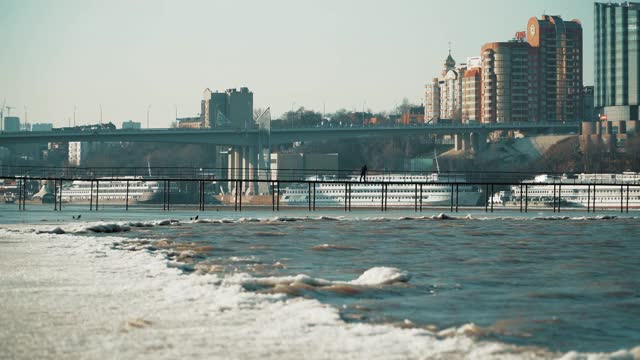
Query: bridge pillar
x=231, y=163
x=473, y=141
x=464, y=142
x=237, y=166
x=245, y=172
x=254, y=168
x=479, y=141
x=457, y=142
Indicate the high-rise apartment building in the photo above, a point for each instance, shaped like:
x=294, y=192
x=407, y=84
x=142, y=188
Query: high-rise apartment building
x=432, y=101
x=78, y=152
x=509, y=90
x=471, y=95
x=472, y=90
x=617, y=62
x=559, y=45
x=443, y=95
x=588, y=109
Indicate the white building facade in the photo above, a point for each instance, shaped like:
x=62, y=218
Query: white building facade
x=78, y=152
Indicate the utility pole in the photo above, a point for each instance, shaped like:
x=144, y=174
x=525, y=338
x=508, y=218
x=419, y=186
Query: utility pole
x=100, y=113
x=74, y=114
x=8, y=113
x=4, y=102
x=148, y=109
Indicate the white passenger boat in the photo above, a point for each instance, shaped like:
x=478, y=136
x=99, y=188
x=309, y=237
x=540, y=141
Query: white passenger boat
x=140, y=191
x=402, y=191
x=609, y=190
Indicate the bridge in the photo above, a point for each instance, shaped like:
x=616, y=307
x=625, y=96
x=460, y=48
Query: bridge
x=251, y=137
x=247, y=153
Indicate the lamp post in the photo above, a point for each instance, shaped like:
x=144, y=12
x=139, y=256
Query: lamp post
x=148, y=109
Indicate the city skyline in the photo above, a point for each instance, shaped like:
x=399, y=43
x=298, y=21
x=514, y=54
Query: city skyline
x=164, y=54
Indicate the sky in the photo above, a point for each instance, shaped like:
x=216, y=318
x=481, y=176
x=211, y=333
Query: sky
x=130, y=56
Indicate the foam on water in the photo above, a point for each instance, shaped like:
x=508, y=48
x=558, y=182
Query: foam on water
x=213, y=315
x=122, y=226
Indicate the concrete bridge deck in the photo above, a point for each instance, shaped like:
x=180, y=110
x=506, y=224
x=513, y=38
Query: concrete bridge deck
x=251, y=137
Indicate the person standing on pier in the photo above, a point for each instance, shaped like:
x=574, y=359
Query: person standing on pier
x=363, y=173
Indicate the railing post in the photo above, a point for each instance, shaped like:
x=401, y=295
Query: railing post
x=457, y=193
x=588, y=199
x=55, y=195
x=451, y=196
x=521, y=196
x=60, y=196
x=309, y=195
x=200, y=195
x=20, y=189
x=164, y=195
x=235, y=202
x=345, y=196
x=621, y=199
x=526, y=198
x=97, y=193
x=350, y=198
x=491, y=197
x=126, y=203
x=627, y=198
x=204, y=196
x=273, y=196
x=559, y=196
x=486, y=197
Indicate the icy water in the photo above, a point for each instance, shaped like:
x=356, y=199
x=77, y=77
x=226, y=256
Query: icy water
x=562, y=283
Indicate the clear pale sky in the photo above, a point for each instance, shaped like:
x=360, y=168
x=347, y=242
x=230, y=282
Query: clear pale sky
x=128, y=54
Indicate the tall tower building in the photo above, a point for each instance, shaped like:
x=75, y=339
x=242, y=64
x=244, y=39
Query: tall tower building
x=230, y=108
x=471, y=95
x=443, y=96
x=617, y=63
x=559, y=45
x=432, y=101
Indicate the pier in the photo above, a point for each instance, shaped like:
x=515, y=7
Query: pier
x=203, y=185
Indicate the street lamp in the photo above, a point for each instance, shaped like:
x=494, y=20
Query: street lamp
x=148, y=109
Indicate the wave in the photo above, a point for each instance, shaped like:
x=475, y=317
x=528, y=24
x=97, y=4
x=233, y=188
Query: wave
x=377, y=276
x=115, y=227
x=327, y=247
